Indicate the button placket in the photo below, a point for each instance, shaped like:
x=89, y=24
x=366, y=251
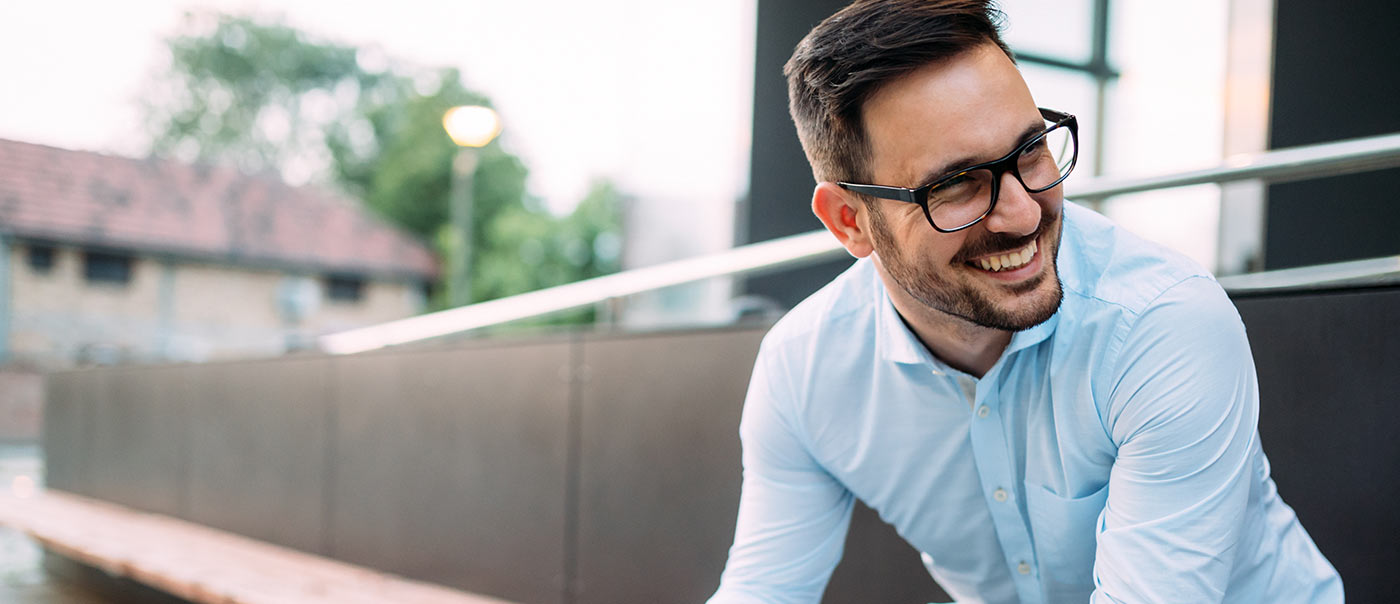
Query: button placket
x=994, y=467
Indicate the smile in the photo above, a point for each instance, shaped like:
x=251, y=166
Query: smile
x=1008, y=261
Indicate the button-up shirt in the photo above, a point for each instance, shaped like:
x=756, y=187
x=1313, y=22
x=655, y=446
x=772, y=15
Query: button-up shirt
x=1110, y=455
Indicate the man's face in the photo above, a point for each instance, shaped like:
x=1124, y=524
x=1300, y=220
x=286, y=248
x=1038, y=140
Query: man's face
x=940, y=118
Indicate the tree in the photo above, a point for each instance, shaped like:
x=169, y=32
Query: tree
x=265, y=96
x=585, y=244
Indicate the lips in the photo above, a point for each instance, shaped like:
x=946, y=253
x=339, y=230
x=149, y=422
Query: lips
x=1008, y=261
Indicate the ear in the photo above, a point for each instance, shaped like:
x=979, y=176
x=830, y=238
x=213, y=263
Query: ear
x=845, y=215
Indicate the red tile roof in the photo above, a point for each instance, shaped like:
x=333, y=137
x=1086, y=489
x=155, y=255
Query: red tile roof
x=210, y=213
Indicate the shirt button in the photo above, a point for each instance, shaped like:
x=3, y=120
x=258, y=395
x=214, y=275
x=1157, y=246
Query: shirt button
x=983, y=411
x=1023, y=568
x=999, y=494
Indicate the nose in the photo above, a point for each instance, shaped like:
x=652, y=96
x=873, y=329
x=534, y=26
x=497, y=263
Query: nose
x=1017, y=213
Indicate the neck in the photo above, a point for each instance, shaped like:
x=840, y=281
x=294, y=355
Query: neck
x=964, y=346
x=960, y=343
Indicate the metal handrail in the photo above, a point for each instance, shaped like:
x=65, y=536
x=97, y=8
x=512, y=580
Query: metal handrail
x=1353, y=273
x=1283, y=165
x=1297, y=163
x=775, y=253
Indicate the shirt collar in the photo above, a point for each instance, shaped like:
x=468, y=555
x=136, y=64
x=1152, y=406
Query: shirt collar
x=1034, y=335
x=893, y=339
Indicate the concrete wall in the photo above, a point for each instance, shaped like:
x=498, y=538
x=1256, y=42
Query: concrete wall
x=605, y=469
x=171, y=310
x=582, y=469
x=21, y=403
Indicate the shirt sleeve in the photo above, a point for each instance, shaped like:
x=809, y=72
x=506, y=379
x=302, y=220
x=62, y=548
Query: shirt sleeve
x=793, y=515
x=1184, y=413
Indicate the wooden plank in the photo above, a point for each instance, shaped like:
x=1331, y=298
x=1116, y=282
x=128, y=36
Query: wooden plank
x=202, y=564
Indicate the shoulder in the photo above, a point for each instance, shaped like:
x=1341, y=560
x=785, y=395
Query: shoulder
x=1132, y=305
x=1173, y=345
x=1106, y=265
x=828, y=336
x=846, y=300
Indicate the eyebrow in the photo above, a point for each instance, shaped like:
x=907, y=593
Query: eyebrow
x=964, y=162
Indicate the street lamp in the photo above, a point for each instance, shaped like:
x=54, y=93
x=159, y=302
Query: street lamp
x=471, y=127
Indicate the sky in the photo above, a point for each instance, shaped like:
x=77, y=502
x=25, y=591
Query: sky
x=655, y=95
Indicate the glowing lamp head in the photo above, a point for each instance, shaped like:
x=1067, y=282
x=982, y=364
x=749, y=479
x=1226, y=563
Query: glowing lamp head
x=471, y=126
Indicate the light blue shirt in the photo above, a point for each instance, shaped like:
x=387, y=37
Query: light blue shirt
x=1110, y=455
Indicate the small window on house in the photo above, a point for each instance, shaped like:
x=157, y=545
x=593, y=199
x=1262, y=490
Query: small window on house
x=41, y=258
x=102, y=267
x=344, y=288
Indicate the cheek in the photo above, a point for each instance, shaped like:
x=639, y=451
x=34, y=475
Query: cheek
x=942, y=248
x=907, y=237
x=931, y=248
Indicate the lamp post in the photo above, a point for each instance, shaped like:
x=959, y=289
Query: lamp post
x=471, y=127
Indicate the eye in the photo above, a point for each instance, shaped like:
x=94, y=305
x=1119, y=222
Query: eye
x=1035, y=149
x=958, y=188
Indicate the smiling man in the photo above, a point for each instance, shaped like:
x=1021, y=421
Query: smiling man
x=1049, y=408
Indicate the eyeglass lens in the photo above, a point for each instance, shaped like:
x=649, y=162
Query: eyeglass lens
x=967, y=196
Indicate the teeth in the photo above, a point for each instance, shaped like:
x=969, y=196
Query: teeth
x=1009, y=261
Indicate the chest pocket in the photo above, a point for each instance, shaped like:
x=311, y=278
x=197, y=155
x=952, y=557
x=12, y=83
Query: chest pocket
x=1065, y=538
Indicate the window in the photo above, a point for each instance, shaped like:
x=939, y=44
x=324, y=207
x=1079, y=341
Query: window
x=41, y=258
x=103, y=267
x=1063, y=52
x=344, y=288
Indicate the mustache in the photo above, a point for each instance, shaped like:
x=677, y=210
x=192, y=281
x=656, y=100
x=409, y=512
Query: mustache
x=1000, y=243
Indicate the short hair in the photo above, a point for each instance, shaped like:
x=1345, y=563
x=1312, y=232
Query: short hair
x=849, y=56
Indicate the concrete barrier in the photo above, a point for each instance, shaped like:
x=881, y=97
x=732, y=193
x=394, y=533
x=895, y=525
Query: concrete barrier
x=605, y=468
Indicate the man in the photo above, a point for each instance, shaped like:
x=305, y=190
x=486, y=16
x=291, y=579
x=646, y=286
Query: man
x=1050, y=408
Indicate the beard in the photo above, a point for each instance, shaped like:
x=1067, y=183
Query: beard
x=945, y=292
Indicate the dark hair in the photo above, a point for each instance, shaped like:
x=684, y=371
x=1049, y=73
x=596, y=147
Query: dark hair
x=851, y=54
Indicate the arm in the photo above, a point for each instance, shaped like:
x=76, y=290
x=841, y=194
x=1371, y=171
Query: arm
x=793, y=515
x=1183, y=413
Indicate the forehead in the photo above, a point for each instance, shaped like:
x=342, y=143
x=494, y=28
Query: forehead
x=973, y=107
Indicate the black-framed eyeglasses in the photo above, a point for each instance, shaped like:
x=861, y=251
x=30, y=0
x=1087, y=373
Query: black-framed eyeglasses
x=964, y=197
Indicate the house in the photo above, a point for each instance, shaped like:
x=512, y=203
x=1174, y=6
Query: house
x=108, y=259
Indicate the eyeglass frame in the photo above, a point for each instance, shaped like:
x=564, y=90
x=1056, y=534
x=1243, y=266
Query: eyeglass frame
x=998, y=168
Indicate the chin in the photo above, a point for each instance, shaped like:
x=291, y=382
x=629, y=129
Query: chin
x=1024, y=310
x=1013, y=299
x=1008, y=308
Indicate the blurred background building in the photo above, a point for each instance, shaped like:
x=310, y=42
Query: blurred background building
x=115, y=260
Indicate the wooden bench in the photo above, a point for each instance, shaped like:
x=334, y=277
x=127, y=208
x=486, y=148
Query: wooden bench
x=201, y=564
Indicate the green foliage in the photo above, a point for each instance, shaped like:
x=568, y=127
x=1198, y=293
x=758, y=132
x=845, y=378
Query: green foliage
x=265, y=96
x=552, y=251
x=248, y=93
